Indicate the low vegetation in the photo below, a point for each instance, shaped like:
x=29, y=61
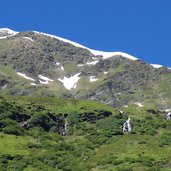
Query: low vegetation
x=33, y=136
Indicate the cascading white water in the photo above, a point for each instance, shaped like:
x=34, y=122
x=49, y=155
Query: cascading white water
x=65, y=125
x=26, y=123
x=127, y=126
x=168, y=116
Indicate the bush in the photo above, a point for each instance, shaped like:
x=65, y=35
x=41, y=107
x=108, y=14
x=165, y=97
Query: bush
x=165, y=139
x=42, y=120
x=11, y=127
x=142, y=142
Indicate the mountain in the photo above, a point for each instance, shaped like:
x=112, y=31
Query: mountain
x=65, y=107
x=35, y=63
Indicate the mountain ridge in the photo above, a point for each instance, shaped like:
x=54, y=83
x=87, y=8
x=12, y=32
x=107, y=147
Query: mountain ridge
x=39, y=64
x=95, y=52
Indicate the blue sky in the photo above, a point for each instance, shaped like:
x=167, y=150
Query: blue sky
x=140, y=28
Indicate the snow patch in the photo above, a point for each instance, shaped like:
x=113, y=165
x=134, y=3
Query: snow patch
x=28, y=38
x=94, y=58
x=105, y=72
x=112, y=54
x=167, y=110
x=80, y=65
x=71, y=82
x=5, y=32
x=44, y=80
x=93, y=78
x=156, y=65
x=33, y=84
x=26, y=77
x=92, y=63
x=62, y=68
x=138, y=104
x=57, y=63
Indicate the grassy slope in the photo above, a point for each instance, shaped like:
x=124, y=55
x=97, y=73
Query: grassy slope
x=89, y=146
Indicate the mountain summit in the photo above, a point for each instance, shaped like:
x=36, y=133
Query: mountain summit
x=5, y=32
x=34, y=63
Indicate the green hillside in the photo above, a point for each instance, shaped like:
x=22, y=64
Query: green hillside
x=93, y=139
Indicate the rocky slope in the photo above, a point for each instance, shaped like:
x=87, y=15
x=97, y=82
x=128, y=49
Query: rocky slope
x=34, y=63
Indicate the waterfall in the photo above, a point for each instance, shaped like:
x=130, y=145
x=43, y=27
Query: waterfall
x=127, y=126
x=65, y=125
x=26, y=123
x=168, y=116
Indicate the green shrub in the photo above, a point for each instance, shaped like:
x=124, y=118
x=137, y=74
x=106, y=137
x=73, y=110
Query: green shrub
x=42, y=120
x=9, y=126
